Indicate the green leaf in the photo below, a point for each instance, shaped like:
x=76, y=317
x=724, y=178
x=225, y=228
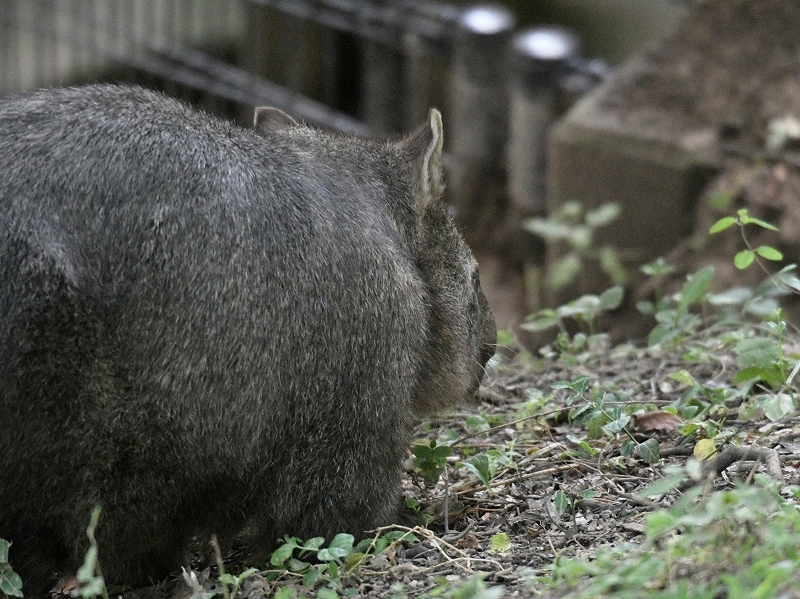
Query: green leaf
x=421, y=451
x=282, y=553
x=500, y=543
x=616, y=425
x=564, y=271
x=11, y=584
x=561, y=502
x=477, y=423
x=311, y=577
x=540, y=321
x=340, y=546
x=749, y=220
x=689, y=412
x=580, y=383
x=440, y=452
x=694, y=288
x=659, y=522
x=648, y=451
x=769, y=252
x=581, y=238
x=285, y=593
x=4, y=545
x=661, y=486
x=547, y=229
x=626, y=449
x=778, y=406
x=610, y=299
x=722, y=224
x=296, y=565
x=735, y=296
x=326, y=593
x=343, y=540
x=586, y=304
x=479, y=466
x=744, y=259
x=684, y=377
x=759, y=352
x=314, y=543
x=603, y=215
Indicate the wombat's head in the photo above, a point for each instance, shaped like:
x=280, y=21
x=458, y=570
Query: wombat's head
x=461, y=329
x=463, y=332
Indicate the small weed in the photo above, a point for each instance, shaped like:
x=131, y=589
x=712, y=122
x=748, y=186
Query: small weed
x=430, y=460
x=488, y=464
x=577, y=230
x=585, y=311
x=749, y=534
x=675, y=321
x=565, y=503
x=746, y=257
x=603, y=411
x=315, y=566
x=313, y=563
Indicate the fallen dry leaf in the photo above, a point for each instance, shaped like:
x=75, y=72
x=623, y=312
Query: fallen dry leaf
x=657, y=421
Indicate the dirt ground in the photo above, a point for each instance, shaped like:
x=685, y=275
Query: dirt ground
x=520, y=501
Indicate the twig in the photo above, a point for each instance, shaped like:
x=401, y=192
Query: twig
x=738, y=453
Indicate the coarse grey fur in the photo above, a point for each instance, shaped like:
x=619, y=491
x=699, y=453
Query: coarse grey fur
x=205, y=328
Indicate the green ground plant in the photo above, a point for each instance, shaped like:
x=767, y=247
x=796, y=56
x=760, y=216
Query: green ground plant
x=739, y=543
x=577, y=228
x=605, y=411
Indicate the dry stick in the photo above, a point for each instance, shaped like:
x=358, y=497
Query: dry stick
x=737, y=453
x=440, y=544
x=446, y=501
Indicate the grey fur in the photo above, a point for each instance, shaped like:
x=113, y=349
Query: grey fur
x=204, y=328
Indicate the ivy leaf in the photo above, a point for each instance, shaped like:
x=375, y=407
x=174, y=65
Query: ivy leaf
x=762, y=353
x=648, y=451
x=341, y=546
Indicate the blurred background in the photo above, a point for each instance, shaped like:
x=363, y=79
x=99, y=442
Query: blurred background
x=503, y=75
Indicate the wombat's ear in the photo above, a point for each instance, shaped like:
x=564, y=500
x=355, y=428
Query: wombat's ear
x=425, y=147
x=268, y=120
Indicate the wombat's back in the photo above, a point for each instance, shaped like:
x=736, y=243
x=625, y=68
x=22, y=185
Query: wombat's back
x=201, y=325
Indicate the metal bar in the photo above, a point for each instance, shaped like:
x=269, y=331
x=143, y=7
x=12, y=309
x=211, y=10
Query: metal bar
x=200, y=71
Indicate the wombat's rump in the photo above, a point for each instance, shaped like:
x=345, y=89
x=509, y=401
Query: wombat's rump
x=203, y=327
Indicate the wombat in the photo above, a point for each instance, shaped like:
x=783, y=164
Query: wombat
x=205, y=328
